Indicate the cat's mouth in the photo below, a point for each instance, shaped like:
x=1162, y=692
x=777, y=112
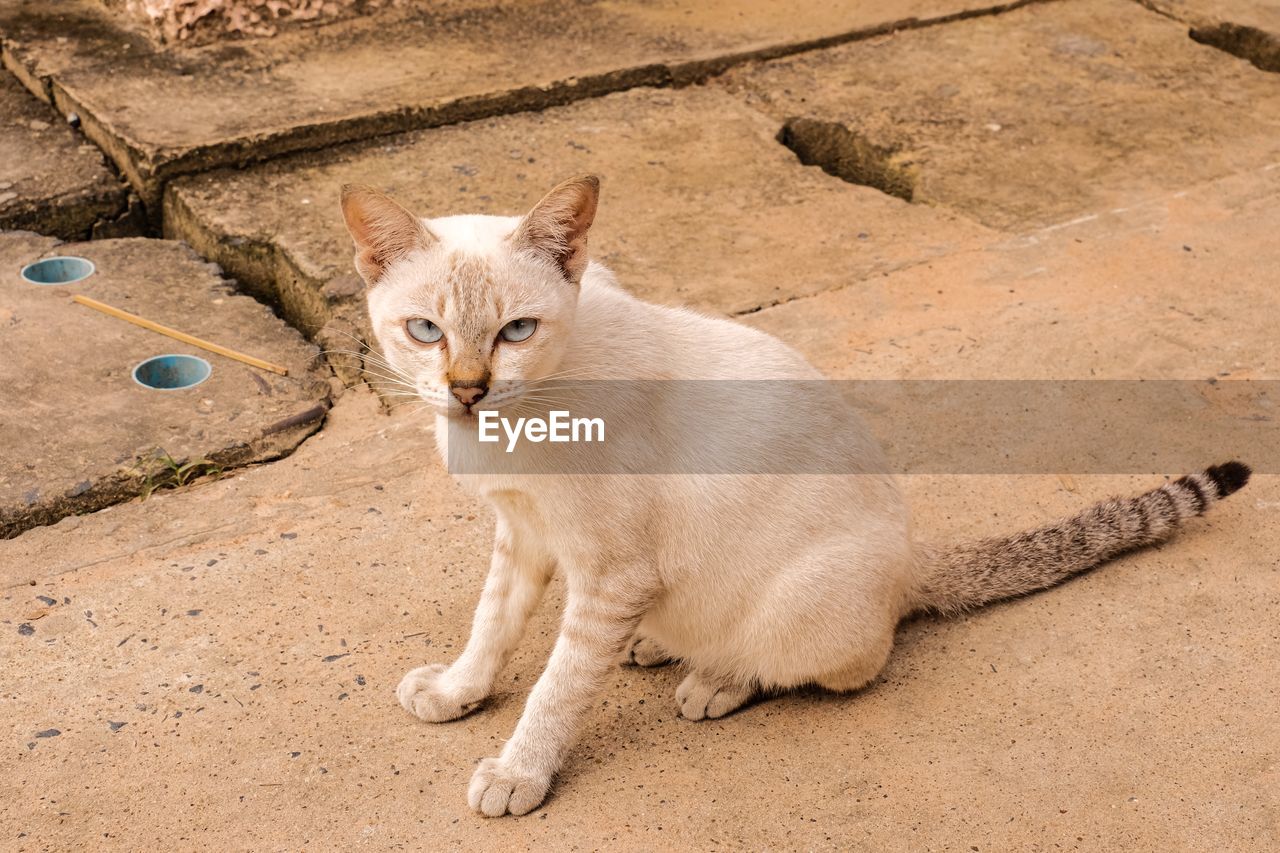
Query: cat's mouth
x=501, y=396
x=442, y=402
x=459, y=411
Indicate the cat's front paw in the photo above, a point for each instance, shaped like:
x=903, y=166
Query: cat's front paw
x=497, y=789
x=429, y=693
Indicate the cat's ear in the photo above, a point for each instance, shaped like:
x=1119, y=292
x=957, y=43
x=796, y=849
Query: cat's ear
x=557, y=226
x=383, y=231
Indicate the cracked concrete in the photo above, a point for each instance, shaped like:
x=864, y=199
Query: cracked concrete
x=51, y=180
x=1036, y=116
x=79, y=434
x=228, y=104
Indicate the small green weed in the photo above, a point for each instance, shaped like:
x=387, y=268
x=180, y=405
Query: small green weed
x=173, y=474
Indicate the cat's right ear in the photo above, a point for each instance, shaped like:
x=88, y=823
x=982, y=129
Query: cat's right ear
x=383, y=231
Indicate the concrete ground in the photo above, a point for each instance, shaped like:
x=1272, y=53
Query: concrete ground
x=218, y=660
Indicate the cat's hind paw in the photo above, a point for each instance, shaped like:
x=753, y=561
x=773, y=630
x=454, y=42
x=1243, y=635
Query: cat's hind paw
x=497, y=790
x=701, y=698
x=430, y=694
x=645, y=652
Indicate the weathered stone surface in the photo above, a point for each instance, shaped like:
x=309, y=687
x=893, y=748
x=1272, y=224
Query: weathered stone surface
x=1026, y=119
x=700, y=205
x=51, y=180
x=160, y=114
x=1178, y=287
x=79, y=434
x=1250, y=29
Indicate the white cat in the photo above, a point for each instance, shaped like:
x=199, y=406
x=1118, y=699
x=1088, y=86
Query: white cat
x=756, y=581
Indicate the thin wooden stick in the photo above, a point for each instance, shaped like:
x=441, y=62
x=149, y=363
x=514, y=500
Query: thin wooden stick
x=180, y=336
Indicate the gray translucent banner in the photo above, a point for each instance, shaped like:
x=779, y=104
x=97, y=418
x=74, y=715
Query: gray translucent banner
x=838, y=427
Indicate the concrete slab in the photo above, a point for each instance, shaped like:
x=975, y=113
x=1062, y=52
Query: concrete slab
x=701, y=206
x=1178, y=287
x=161, y=113
x=1250, y=29
x=220, y=662
x=51, y=180
x=79, y=433
x=1026, y=119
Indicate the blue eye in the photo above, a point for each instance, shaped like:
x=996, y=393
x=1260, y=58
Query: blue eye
x=423, y=330
x=518, y=330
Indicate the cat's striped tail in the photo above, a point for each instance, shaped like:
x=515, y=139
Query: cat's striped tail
x=969, y=575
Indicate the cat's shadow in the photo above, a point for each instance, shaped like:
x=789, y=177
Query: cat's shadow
x=916, y=636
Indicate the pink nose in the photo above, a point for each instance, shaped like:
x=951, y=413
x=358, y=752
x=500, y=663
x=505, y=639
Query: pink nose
x=468, y=394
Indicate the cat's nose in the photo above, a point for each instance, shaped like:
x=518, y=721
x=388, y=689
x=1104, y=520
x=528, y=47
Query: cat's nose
x=468, y=395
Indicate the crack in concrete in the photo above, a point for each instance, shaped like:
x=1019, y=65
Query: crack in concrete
x=1250, y=43
x=848, y=155
x=1258, y=47
x=778, y=303
x=186, y=539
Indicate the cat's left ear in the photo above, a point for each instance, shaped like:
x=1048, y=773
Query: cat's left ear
x=557, y=226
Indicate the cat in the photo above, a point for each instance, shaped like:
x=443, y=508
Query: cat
x=756, y=587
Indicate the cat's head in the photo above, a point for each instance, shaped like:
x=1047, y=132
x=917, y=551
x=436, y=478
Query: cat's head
x=469, y=308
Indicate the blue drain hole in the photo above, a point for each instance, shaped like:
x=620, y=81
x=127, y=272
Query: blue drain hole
x=171, y=372
x=64, y=269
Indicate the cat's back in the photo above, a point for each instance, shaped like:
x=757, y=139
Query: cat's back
x=638, y=339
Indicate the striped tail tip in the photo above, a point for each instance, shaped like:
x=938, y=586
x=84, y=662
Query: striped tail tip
x=1229, y=477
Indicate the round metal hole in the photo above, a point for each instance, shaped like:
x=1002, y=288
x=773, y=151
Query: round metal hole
x=64, y=269
x=171, y=372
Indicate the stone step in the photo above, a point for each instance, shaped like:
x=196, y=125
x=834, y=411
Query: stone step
x=51, y=180
x=700, y=206
x=161, y=112
x=1027, y=119
x=79, y=432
